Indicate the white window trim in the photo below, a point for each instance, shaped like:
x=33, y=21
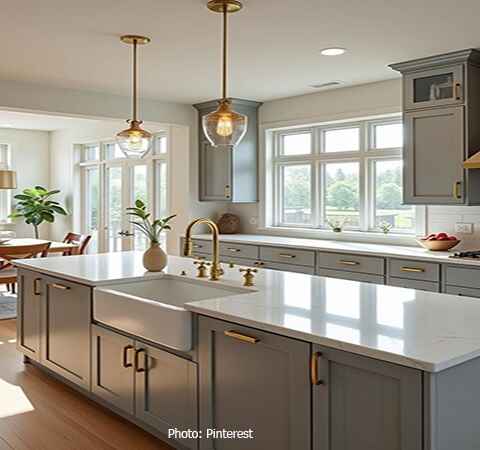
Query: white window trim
x=268, y=215
x=6, y=203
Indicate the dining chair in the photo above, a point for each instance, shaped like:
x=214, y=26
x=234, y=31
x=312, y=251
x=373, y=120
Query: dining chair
x=8, y=274
x=81, y=240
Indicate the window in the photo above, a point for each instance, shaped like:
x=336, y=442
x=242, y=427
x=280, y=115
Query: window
x=346, y=175
x=5, y=194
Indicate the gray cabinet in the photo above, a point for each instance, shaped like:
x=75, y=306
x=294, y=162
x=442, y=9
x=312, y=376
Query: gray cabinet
x=254, y=380
x=364, y=404
x=441, y=105
x=28, y=310
x=229, y=175
x=65, y=335
x=166, y=391
x=113, y=375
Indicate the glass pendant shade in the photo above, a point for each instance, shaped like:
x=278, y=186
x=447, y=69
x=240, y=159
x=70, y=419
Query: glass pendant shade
x=224, y=127
x=134, y=141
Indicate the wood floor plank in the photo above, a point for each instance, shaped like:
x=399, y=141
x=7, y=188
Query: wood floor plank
x=59, y=417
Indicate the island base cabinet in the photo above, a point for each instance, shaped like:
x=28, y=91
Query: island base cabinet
x=166, y=392
x=363, y=404
x=28, y=311
x=254, y=380
x=65, y=337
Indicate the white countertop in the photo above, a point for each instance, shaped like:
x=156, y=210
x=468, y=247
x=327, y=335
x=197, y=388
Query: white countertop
x=428, y=331
x=353, y=248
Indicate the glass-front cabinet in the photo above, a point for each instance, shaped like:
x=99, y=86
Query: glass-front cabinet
x=434, y=87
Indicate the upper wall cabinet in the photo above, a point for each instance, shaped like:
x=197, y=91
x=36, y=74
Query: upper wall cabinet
x=441, y=102
x=224, y=174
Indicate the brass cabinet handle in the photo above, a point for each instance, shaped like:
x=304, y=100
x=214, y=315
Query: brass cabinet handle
x=241, y=337
x=234, y=250
x=412, y=269
x=314, y=369
x=35, y=285
x=125, y=362
x=137, y=365
x=457, y=190
x=60, y=286
x=349, y=263
x=197, y=246
x=228, y=191
x=258, y=263
x=286, y=255
x=458, y=91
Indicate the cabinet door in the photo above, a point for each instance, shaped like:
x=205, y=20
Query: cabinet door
x=113, y=374
x=166, y=391
x=434, y=87
x=434, y=153
x=65, y=344
x=364, y=404
x=252, y=380
x=28, y=312
x=215, y=173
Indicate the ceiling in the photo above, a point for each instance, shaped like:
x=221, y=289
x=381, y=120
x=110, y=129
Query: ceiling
x=27, y=121
x=274, y=43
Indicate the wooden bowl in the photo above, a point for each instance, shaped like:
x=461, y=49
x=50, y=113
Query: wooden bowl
x=437, y=246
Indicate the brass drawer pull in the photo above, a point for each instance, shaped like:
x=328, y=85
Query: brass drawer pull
x=60, y=286
x=458, y=91
x=241, y=337
x=36, y=291
x=197, y=246
x=137, y=365
x=287, y=255
x=314, y=369
x=457, y=190
x=125, y=362
x=412, y=269
x=258, y=263
x=349, y=263
x=234, y=250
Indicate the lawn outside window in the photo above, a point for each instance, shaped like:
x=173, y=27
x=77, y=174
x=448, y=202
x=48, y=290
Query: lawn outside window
x=347, y=173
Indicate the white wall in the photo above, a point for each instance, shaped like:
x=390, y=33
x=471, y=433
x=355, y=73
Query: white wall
x=30, y=159
x=345, y=103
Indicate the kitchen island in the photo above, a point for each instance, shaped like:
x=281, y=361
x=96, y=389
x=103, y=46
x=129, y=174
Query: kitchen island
x=305, y=362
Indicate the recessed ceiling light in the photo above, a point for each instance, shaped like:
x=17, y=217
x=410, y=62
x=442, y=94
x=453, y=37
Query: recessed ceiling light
x=333, y=51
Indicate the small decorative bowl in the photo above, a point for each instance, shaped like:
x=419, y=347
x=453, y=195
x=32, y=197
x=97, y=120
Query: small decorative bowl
x=438, y=246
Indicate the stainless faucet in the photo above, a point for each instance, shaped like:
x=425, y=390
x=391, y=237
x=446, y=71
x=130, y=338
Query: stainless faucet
x=216, y=270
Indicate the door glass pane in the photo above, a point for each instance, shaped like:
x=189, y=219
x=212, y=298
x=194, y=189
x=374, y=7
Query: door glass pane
x=296, y=144
x=388, y=135
x=91, y=152
x=92, y=206
x=342, y=140
x=436, y=87
x=342, y=194
x=160, y=146
x=161, y=201
x=112, y=151
x=296, y=194
x=114, y=208
x=139, y=192
x=389, y=208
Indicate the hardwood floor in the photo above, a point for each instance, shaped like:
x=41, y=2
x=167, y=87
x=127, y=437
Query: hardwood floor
x=38, y=412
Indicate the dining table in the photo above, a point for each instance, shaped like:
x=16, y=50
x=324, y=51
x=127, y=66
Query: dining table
x=55, y=247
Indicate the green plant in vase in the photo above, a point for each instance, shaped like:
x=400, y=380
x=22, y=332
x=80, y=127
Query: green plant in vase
x=36, y=206
x=154, y=258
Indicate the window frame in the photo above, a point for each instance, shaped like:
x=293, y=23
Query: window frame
x=6, y=196
x=366, y=156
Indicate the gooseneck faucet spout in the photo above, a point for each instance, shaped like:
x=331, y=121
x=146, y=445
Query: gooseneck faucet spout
x=215, y=270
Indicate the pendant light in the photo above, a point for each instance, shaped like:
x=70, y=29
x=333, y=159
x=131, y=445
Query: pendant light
x=224, y=127
x=134, y=142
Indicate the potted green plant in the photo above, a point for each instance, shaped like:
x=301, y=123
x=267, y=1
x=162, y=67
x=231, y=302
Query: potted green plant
x=154, y=258
x=36, y=206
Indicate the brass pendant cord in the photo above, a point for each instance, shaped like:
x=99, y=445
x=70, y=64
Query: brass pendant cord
x=225, y=55
x=134, y=108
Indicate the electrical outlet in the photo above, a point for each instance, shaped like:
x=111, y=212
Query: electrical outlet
x=253, y=221
x=464, y=228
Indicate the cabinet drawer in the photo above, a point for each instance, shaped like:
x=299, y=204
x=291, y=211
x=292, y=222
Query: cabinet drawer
x=351, y=263
x=239, y=250
x=421, y=285
x=414, y=270
x=284, y=267
x=462, y=276
x=244, y=262
x=200, y=246
x=344, y=275
x=288, y=255
x=466, y=292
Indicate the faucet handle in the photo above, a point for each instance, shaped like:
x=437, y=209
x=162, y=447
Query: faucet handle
x=202, y=268
x=248, y=277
